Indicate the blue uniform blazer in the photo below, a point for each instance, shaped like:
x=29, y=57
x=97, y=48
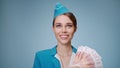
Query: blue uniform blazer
x=47, y=59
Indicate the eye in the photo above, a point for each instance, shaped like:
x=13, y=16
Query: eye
x=58, y=25
x=69, y=25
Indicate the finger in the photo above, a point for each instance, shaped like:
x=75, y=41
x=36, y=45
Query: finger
x=79, y=56
x=76, y=58
x=82, y=55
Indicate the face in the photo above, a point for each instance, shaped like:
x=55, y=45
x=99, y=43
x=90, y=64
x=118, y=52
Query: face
x=63, y=29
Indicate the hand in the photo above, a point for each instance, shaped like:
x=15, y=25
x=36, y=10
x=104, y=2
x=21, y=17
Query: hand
x=83, y=60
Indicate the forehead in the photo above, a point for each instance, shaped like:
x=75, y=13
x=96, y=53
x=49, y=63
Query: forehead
x=63, y=19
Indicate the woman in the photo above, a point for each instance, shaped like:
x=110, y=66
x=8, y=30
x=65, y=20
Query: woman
x=63, y=54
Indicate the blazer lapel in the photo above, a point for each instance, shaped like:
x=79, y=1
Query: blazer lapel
x=74, y=49
x=55, y=61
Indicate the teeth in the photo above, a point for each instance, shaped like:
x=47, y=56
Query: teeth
x=63, y=36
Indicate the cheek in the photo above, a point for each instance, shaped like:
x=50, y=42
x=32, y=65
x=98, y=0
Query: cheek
x=56, y=31
x=72, y=31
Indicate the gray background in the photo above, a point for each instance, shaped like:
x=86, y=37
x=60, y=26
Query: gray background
x=26, y=27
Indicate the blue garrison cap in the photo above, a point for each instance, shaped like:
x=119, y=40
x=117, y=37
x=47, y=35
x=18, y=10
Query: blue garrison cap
x=60, y=9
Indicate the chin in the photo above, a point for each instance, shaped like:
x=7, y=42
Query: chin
x=64, y=42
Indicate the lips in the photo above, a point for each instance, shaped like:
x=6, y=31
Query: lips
x=63, y=37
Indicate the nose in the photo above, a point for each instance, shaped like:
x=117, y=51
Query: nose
x=64, y=30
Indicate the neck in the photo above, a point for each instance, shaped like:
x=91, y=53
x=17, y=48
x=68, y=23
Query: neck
x=64, y=50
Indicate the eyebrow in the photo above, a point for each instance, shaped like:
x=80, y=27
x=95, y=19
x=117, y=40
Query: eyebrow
x=69, y=23
x=66, y=23
x=57, y=23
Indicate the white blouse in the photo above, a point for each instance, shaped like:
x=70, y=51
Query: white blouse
x=71, y=60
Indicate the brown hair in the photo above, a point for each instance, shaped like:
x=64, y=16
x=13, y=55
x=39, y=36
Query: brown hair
x=71, y=17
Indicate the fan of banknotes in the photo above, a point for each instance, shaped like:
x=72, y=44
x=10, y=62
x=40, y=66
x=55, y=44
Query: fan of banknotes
x=95, y=56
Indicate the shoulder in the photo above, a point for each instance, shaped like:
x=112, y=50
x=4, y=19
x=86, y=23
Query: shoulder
x=43, y=56
x=47, y=52
x=43, y=52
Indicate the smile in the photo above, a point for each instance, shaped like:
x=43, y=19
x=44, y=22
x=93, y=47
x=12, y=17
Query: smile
x=63, y=36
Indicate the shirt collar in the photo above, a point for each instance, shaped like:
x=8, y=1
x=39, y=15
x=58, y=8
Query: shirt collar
x=54, y=50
